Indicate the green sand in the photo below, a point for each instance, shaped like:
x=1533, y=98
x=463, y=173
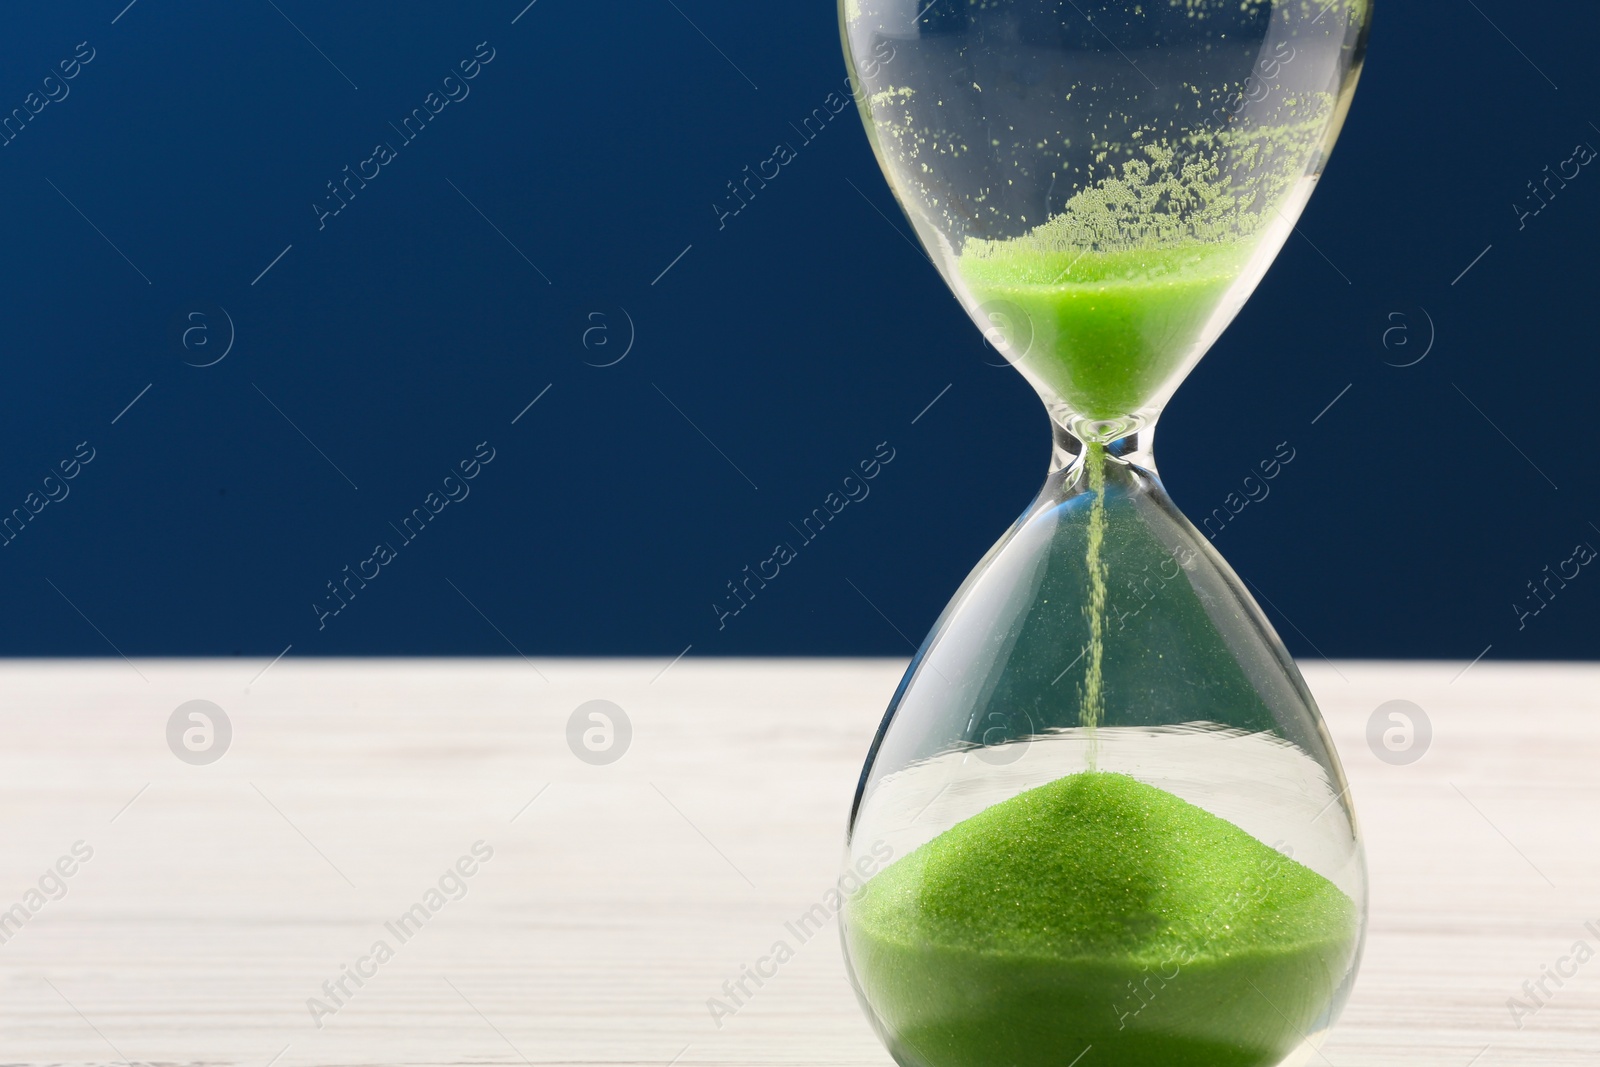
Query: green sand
x=1091, y=694
x=1098, y=910
x=1104, y=330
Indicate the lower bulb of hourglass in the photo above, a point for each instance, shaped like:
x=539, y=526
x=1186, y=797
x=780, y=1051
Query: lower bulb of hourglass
x=1119, y=828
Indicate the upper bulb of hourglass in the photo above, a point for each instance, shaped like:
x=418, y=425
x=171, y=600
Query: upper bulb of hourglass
x=1103, y=183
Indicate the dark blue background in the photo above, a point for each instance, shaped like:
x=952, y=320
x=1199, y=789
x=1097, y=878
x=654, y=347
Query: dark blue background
x=796, y=339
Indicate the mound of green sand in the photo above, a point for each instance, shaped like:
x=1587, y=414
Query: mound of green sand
x=1101, y=911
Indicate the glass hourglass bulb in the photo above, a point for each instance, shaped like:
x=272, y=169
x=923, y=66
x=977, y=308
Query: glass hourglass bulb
x=1102, y=816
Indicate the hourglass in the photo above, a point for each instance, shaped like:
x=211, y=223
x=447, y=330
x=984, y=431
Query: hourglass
x=1115, y=825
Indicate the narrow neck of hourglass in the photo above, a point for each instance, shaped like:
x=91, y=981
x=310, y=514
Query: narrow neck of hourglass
x=1129, y=440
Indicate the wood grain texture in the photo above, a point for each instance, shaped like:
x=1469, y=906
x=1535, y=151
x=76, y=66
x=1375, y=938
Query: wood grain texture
x=223, y=897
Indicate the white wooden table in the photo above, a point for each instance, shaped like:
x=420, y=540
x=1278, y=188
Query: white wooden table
x=220, y=898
